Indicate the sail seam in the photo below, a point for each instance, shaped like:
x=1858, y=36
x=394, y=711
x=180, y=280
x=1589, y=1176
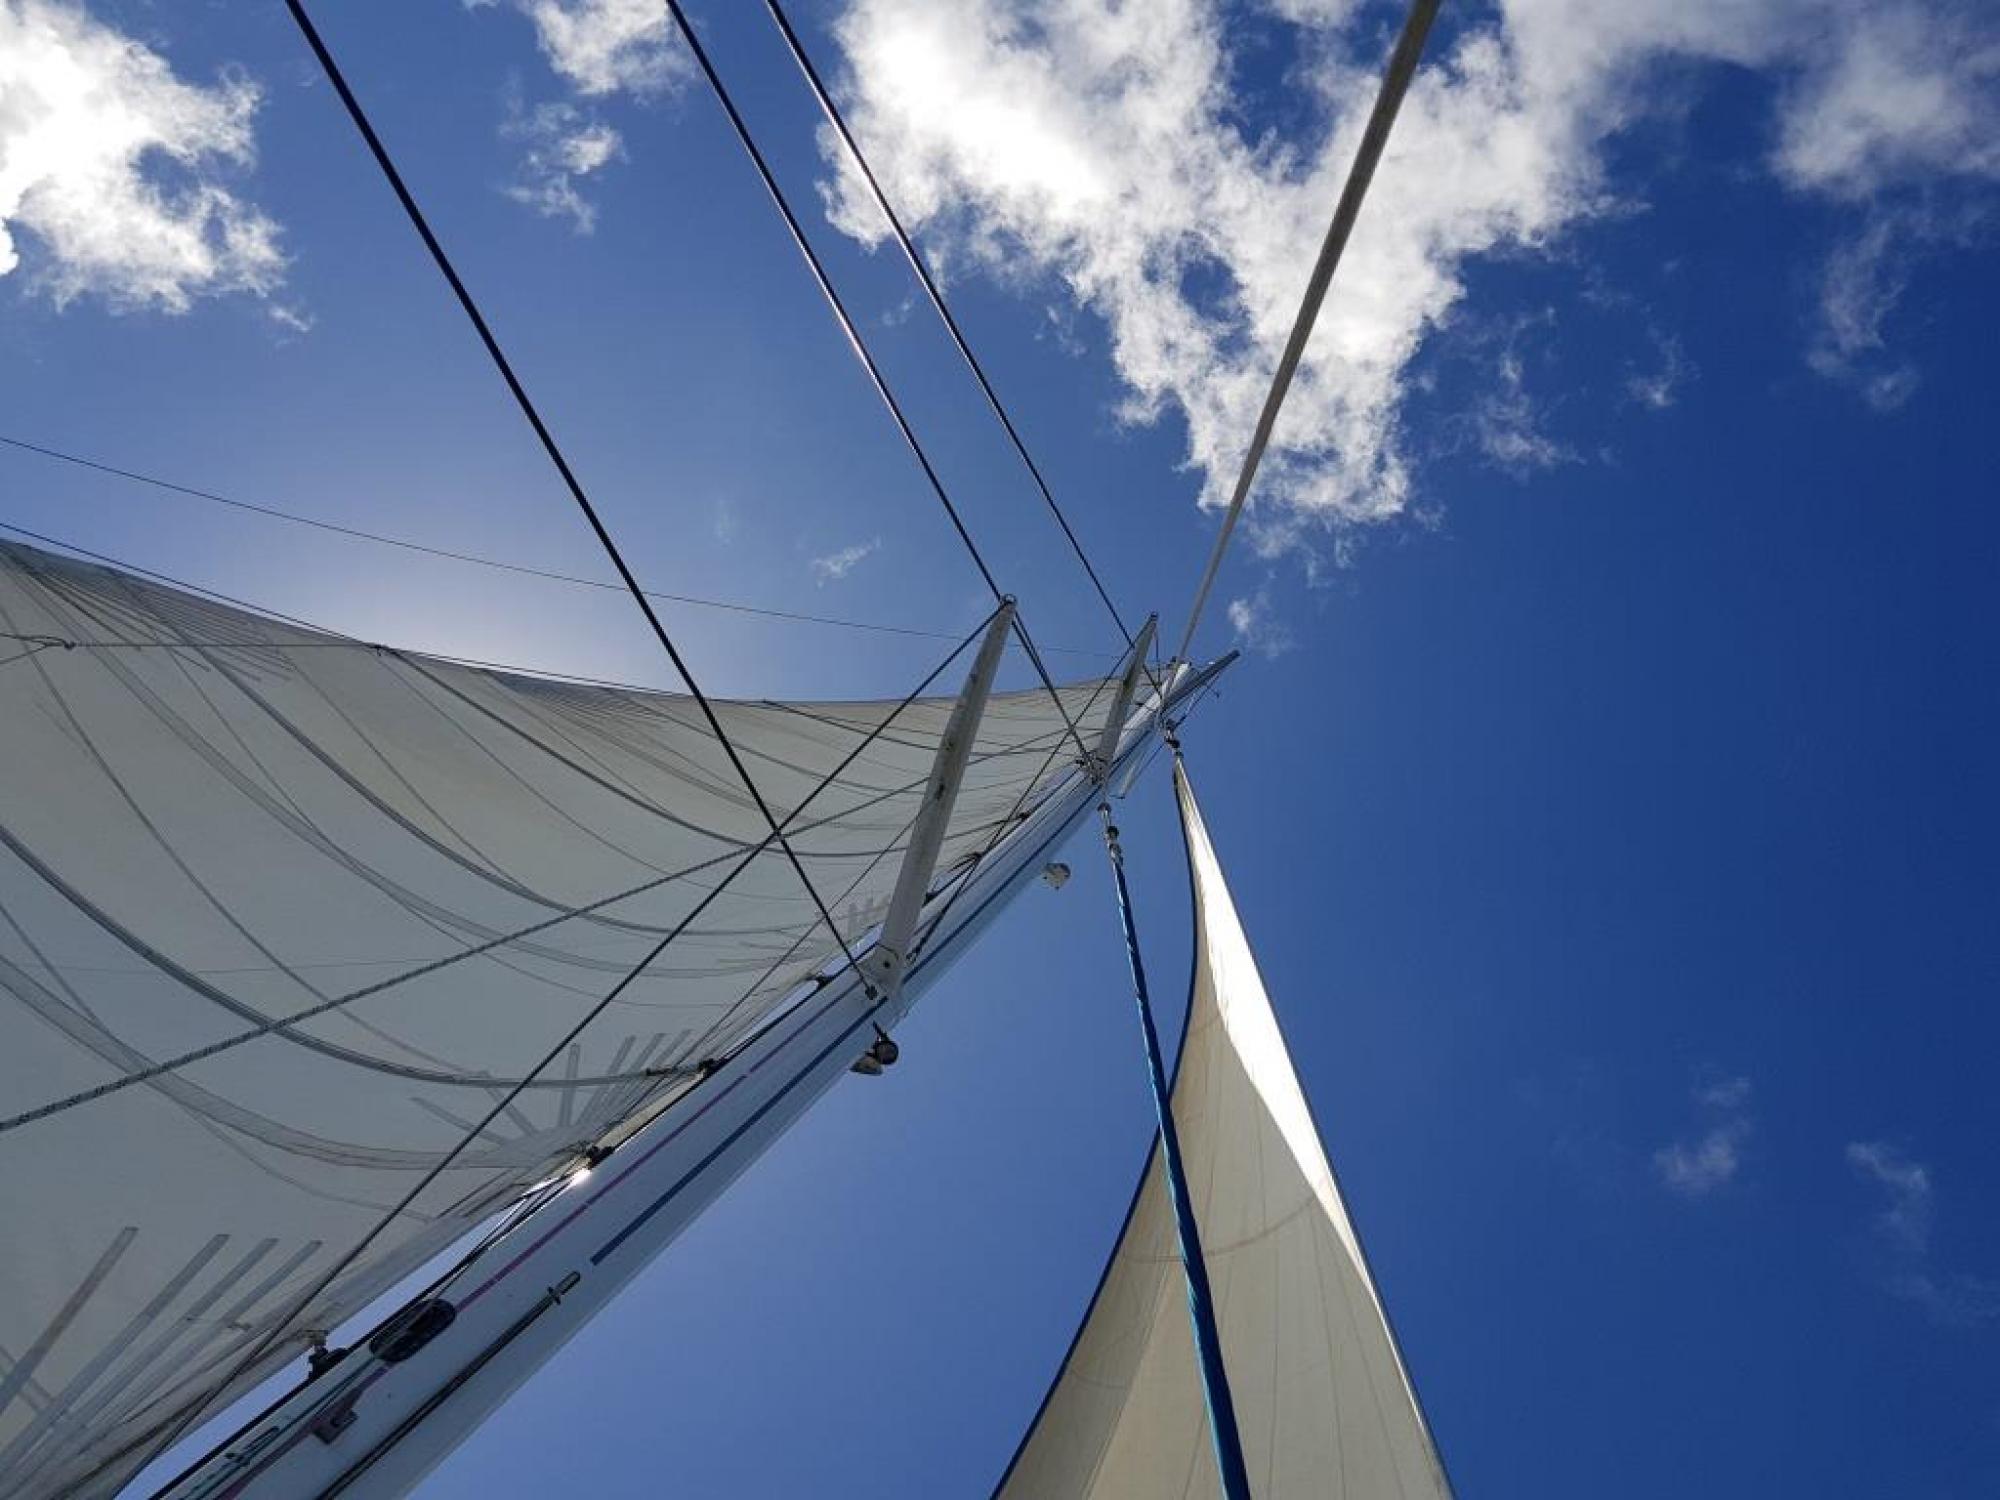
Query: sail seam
x=285, y=1023
x=407, y=1201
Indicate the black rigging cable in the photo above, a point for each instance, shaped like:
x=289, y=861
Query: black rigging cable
x=280, y=1326
x=528, y=409
x=931, y=290
x=359, y=116
x=860, y=348
x=34, y=644
x=359, y=534
x=381, y=986
x=339, y=638
x=207, y=593
x=584, y=505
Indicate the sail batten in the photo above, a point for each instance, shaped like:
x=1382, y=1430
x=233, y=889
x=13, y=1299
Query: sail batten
x=368, y=890
x=1324, y=1406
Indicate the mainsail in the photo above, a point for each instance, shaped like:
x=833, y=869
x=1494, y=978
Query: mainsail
x=1324, y=1407
x=211, y=821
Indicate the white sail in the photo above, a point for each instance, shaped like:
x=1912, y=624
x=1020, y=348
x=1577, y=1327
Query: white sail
x=210, y=820
x=1324, y=1406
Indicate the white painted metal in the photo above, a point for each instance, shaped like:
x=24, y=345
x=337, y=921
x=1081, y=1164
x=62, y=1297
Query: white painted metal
x=370, y=1428
x=1121, y=706
x=886, y=963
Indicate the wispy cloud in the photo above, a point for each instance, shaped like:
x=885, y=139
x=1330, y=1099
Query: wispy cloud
x=605, y=46
x=1100, y=146
x=1861, y=287
x=1660, y=387
x=1508, y=424
x=1257, y=625
x=1890, y=92
x=599, y=48
x=1102, y=149
x=724, y=522
x=839, y=564
x=1903, y=1230
x=1698, y=1165
x=116, y=176
x=561, y=146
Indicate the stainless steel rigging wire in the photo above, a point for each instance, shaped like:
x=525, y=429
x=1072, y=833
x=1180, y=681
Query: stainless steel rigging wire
x=860, y=348
x=283, y=1024
x=554, y=576
x=280, y=1326
x=339, y=638
x=931, y=290
x=1395, y=83
x=528, y=409
x=549, y=445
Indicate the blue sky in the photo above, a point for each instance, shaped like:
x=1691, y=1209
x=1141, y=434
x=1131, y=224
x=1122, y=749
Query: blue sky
x=1607, y=785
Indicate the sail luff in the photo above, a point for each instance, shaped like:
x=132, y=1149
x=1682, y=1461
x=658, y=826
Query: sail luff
x=605, y=1229
x=1223, y=1433
x=1324, y=1403
x=245, y=818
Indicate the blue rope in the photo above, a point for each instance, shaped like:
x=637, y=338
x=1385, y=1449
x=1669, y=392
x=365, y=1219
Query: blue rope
x=1201, y=1302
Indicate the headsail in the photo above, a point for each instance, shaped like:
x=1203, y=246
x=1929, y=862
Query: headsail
x=210, y=820
x=1324, y=1406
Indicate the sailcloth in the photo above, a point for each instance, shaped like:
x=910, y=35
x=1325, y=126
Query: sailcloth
x=1324, y=1406
x=211, y=820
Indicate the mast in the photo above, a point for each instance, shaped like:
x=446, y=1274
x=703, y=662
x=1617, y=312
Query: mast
x=391, y=1407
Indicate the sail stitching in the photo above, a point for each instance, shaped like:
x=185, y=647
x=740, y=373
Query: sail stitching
x=326, y=1280
x=505, y=939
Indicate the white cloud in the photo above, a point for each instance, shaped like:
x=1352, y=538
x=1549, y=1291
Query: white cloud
x=1660, y=387
x=1257, y=626
x=1904, y=90
x=1904, y=1229
x=839, y=564
x=599, y=48
x=1906, y=1221
x=1723, y=1093
x=561, y=146
x=1097, y=142
x=113, y=172
x=293, y=319
x=1508, y=424
x=607, y=46
x=1697, y=1167
x=1861, y=283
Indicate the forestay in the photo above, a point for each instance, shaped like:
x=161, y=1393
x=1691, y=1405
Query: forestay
x=1324, y=1407
x=210, y=820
